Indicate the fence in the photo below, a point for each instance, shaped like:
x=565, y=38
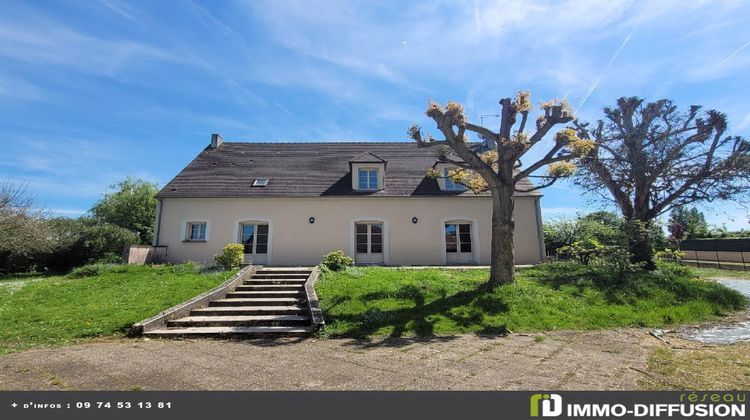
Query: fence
x=144, y=254
x=730, y=254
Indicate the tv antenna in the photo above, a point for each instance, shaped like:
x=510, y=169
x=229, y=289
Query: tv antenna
x=481, y=120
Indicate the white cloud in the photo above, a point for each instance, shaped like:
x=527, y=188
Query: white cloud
x=120, y=8
x=40, y=41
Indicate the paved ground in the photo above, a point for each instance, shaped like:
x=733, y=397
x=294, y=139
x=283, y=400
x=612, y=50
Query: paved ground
x=613, y=359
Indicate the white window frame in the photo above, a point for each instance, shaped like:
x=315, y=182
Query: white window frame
x=187, y=230
x=353, y=236
x=256, y=220
x=255, y=235
x=475, y=241
x=261, y=182
x=370, y=171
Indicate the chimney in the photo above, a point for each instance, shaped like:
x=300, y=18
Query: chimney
x=216, y=141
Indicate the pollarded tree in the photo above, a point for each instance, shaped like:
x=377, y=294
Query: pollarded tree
x=651, y=158
x=495, y=165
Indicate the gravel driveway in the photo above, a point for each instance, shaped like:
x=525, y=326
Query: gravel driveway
x=612, y=359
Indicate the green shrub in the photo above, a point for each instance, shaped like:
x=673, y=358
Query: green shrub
x=337, y=261
x=110, y=258
x=83, y=241
x=232, y=256
x=674, y=269
x=188, y=267
x=670, y=255
x=617, y=262
x=607, y=228
x=584, y=251
x=90, y=270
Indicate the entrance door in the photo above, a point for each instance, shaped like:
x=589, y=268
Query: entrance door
x=458, y=243
x=369, y=243
x=254, y=236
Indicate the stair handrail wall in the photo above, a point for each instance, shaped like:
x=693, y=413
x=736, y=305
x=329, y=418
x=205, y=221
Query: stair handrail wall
x=183, y=309
x=316, y=314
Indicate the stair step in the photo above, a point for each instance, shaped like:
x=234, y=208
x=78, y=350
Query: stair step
x=285, y=270
x=225, y=331
x=297, y=293
x=250, y=310
x=281, y=276
x=239, y=321
x=257, y=301
x=269, y=288
x=274, y=281
x=299, y=284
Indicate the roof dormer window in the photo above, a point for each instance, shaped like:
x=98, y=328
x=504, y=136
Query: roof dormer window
x=260, y=182
x=444, y=181
x=368, y=172
x=367, y=179
x=449, y=184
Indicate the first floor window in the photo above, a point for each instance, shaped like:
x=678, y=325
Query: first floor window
x=368, y=179
x=196, y=231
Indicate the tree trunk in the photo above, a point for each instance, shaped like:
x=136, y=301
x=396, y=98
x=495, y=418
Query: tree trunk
x=640, y=244
x=503, y=225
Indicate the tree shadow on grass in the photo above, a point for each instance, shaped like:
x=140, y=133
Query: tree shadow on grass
x=466, y=309
x=632, y=286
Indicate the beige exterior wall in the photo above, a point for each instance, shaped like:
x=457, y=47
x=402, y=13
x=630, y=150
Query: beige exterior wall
x=295, y=241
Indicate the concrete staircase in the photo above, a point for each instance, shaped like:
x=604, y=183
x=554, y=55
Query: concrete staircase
x=271, y=303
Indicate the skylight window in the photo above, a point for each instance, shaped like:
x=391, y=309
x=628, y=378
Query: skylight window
x=260, y=182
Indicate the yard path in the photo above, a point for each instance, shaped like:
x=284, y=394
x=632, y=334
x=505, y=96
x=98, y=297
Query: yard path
x=565, y=360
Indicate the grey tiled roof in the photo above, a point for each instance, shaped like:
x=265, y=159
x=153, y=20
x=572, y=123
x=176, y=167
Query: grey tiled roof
x=367, y=157
x=305, y=170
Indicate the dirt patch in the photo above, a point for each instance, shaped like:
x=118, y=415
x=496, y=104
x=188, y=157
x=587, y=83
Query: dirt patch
x=565, y=360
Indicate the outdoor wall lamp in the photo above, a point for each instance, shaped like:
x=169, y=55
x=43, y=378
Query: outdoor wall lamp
x=311, y=220
x=414, y=220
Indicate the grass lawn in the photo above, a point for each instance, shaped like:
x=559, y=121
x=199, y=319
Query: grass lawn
x=715, y=272
x=373, y=301
x=717, y=367
x=47, y=311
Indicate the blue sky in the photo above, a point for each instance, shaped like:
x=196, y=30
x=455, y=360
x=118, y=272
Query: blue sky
x=93, y=91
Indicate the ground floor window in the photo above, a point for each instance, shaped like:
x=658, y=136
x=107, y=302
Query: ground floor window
x=196, y=231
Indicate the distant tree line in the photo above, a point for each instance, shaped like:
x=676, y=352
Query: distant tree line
x=604, y=228
x=31, y=240
x=608, y=229
x=689, y=223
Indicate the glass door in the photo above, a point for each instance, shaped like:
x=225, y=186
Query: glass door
x=458, y=243
x=369, y=243
x=254, y=237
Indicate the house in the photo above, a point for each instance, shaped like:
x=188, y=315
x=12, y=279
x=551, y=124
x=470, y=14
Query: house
x=291, y=203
